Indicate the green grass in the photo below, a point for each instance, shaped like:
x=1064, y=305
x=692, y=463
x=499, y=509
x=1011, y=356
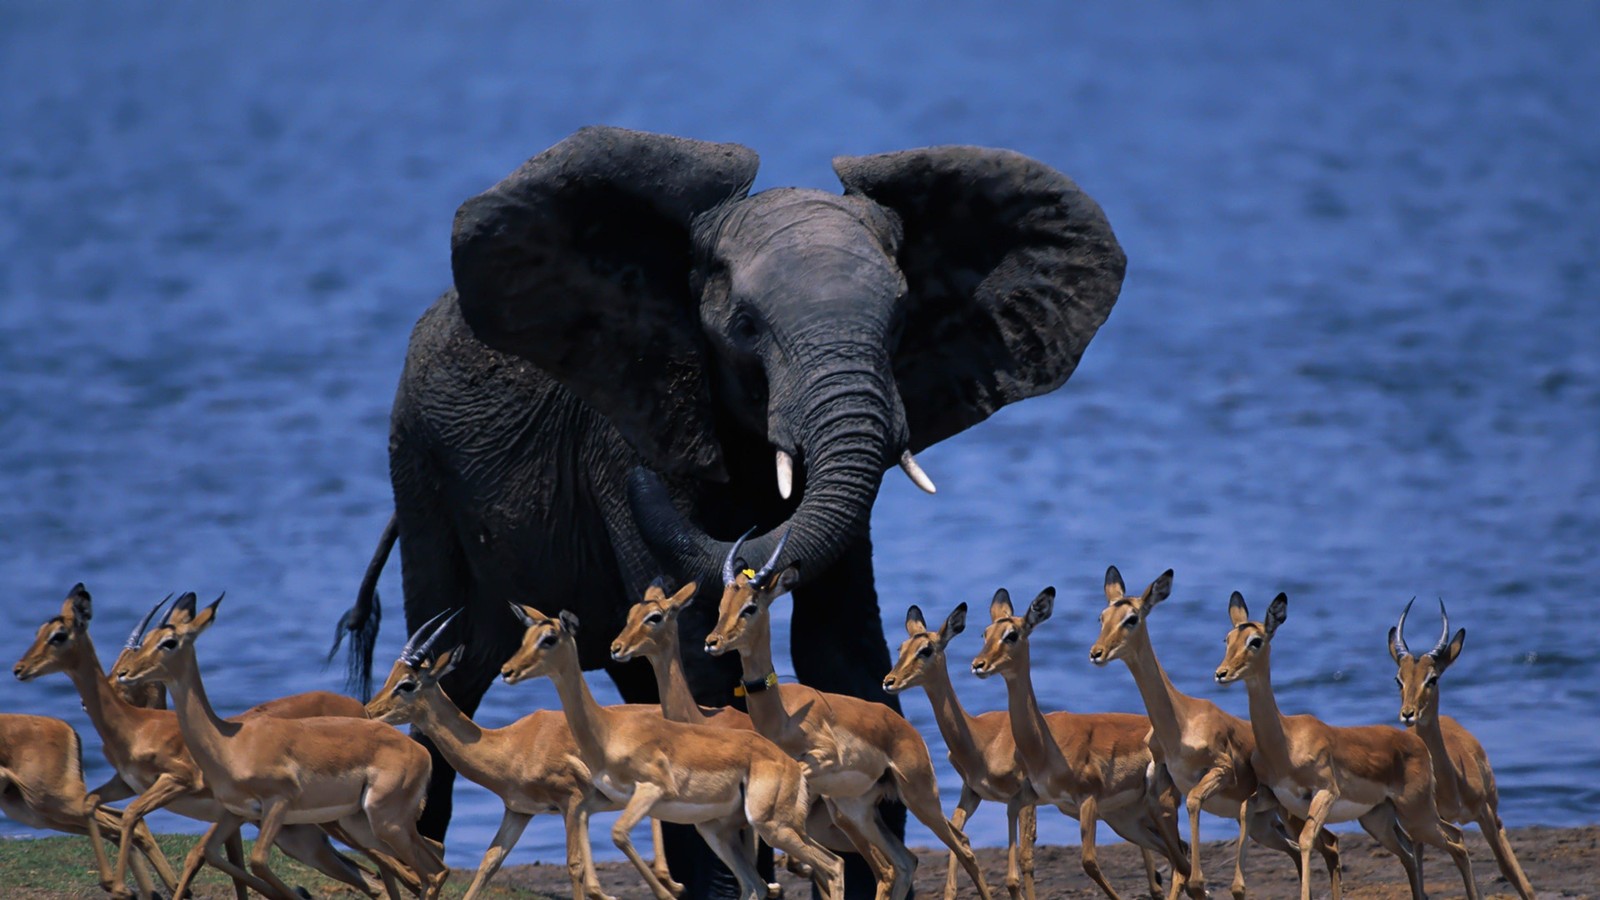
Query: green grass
x=49, y=868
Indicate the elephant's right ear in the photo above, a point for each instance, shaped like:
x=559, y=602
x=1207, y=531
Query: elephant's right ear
x=579, y=261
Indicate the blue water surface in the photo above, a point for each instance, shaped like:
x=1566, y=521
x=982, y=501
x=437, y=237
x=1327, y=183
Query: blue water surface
x=1357, y=356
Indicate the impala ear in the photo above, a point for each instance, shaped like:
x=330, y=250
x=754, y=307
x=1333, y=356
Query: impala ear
x=444, y=663
x=954, y=624
x=684, y=597
x=657, y=591
x=1115, y=589
x=1451, y=651
x=569, y=623
x=78, y=606
x=1000, y=606
x=1010, y=269
x=581, y=260
x=1238, y=612
x=1039, y=609
x=204, y=619
x=914, y=621
x=1276, y=613
x=1159, y=590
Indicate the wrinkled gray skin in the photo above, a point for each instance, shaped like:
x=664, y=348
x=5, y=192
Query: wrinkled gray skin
x=622, y=308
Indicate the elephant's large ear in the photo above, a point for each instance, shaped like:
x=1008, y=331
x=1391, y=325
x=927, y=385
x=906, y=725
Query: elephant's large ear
x=1011, y=270
x=579, y=261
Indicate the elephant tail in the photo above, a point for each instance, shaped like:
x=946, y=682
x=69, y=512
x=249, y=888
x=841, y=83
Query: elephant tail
x=361, y=620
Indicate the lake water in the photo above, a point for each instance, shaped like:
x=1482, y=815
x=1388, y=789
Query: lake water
x=1357, y=356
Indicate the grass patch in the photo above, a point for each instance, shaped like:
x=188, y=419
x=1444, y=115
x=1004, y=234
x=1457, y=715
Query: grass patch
x=59, y=868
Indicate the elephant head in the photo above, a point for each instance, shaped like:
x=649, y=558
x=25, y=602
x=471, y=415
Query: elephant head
x=844, y=331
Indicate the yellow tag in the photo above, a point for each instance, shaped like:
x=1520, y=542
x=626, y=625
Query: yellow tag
x=750, y=574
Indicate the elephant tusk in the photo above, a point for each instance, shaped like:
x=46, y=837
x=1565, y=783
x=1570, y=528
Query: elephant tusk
x=915, y=473
x=785, y=474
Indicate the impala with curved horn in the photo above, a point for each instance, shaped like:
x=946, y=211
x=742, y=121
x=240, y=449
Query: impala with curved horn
x=1463, y=782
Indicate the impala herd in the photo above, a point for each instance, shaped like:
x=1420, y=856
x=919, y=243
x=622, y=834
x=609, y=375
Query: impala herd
x=802, y=770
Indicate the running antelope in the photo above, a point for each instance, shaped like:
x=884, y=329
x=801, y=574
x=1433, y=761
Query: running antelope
x=146, y=748
x=982, y=750
x=532, y=765
x=1463, y=782
x=41, y=786
x=1091, y=766
x=1377, y=775
x=1207, y=751
x=652, y=632
x=857, y=753
x=363, y=775
x=714, y=779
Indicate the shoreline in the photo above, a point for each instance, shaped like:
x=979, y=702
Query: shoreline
x=1560, y=862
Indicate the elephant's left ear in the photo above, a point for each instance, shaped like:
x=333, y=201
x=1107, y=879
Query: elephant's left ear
x=579, y=261
x=1011, y=269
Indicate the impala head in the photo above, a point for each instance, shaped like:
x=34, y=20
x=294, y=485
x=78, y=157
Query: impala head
x=546, y=644
x=922, y=648
x=652, y=627
x=747, y=593
x=1123, y=618
x=416, y=672
x=1005, y=641
x=1418, y=676
x=167, y=646
x=58, y=638
x=1249, y=644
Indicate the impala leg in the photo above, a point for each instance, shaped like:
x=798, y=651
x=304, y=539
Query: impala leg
x=91, y=818
x=309, y=844
x=919, y=791
x=1088, y=817
x=228, y=826
x=233, y=847
x=165, y=789
x=858, y=818
x=511, y=825
x=639, y=805
x=1014, y=877
x=1495, y=831
x=1380, y=822
x=1028, y=824
x=1321, y=804
x=964, y=808
x=1208, y=784
x=659, y=850
x=827, y=869
x=725, y=840
x=272, y=816
x=580, y=856
x=1432, y=830
x=357, y=831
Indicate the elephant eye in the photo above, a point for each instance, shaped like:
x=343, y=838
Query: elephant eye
x=744, y=327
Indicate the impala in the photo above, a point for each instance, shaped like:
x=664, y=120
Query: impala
x=857, y=753
x=41, y=786
x=714, y=779
x=1377, y=775
x=363, y=775
x=1206, y=750
x=532, y=765
x=1463, y=782
x=651, y=632
x=146, y=748
x=981, y=747
x=1091, y=766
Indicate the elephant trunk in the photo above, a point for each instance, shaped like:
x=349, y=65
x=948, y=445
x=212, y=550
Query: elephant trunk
x=849, y=426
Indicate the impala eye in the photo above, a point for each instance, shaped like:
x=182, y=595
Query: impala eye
x=748, y=611
x=1011, y=637
x=1255, y=643
x=168, y=644
x=59, y=637
x=406, y=686
x=926, y=651
x=548, y=640
x=653, y=619
x=1432, y=680
x=1130, y=621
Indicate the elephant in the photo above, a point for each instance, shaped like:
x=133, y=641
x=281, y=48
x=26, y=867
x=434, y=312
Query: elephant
x=640, y=360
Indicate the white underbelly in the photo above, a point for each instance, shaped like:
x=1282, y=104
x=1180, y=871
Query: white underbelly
x=1294, y=799
x=848, y=783
x=686, y=813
